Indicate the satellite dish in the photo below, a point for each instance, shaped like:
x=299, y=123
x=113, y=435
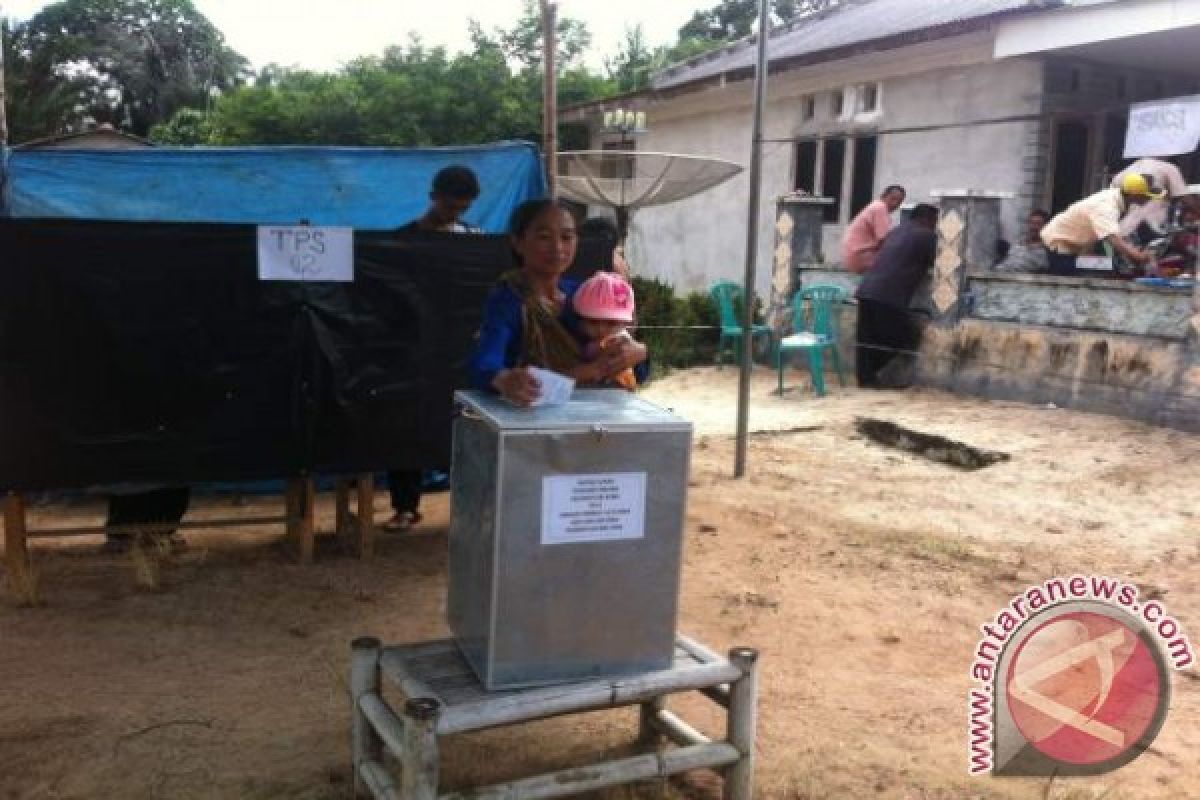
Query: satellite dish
x=626, y=180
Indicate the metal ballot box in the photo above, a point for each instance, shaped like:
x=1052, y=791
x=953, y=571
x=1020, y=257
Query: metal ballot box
x=565, y=536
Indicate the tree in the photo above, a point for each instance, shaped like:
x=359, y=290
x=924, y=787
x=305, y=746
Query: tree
x=734, y=19
x=132, y=63
x=38, y=103
x=412, y=95
x=630, y=69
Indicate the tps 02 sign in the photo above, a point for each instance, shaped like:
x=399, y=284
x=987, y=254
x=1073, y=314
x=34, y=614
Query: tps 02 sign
x=304, y=253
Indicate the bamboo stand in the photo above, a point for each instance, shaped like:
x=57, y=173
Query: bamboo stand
x=442, y=697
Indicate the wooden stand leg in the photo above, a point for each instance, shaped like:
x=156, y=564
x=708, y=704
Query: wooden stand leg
x=366, y=746
x=22, y=582
x=341, y=506
x=743, y=714
x=301, y=526
x=419, y=761
x=366, y=515
x=648, y=733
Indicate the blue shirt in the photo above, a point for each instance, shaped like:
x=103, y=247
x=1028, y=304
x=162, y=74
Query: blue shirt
x=501, y=335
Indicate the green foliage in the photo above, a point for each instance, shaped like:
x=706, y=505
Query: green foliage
x=412, y=95
x=730, y=20
x=131, y=63
x=684, y=346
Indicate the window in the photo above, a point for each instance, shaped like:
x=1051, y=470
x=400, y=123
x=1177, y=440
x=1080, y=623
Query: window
x=808, y=108
x=837, y=102
x=806, y=166
x=619, y=170
x=833, y=167
x=863, y=180
x=868, y=98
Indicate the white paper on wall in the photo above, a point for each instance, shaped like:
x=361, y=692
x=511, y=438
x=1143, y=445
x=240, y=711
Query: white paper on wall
x=305, y=253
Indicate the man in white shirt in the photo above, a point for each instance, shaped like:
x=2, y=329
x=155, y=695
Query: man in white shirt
x=1095, y=219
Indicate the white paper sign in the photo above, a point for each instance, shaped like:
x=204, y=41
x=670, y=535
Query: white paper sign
x=593, y=508
x=1163, y=128
x=556, y=388
x=305, y=253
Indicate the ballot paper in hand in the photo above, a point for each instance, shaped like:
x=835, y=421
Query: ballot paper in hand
x=556, y=388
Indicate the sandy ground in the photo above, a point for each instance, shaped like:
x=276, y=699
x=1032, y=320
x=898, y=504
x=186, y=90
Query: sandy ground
x=861, y=573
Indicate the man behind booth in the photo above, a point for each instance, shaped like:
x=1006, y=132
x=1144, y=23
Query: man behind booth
x=454, y=190
x=886, y=328
x=865, y=234
x=1096, y=219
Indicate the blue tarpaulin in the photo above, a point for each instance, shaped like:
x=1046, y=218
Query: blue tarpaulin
x=359, y=187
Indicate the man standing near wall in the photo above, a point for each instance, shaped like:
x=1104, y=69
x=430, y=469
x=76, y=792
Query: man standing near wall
x=866, y=232
x=454, y=190
x=1094, y=219
x=886, y=328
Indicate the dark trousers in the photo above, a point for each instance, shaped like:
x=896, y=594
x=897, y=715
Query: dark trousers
x=882, y=330
x=404, y=485
x=165, y=506
x=1061, y=263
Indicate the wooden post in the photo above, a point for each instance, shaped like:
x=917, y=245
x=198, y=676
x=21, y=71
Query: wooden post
x=22, y=583
x=419, y=761
x=550, y=93
x=341, y=508
x=743, y=717
x=301, y=525
x=366, y=515
x=365, y=744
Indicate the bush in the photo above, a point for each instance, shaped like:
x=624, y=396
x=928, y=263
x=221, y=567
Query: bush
x=692, y=319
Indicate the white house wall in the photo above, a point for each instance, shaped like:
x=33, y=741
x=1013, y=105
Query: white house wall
x=693, y=243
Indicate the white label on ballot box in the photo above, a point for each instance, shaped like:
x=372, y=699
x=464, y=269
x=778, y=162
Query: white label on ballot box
x=593, y=508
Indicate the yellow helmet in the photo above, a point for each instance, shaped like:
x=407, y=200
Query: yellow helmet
x=1138, y=185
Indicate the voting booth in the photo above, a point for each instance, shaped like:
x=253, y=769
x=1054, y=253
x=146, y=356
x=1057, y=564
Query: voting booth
x=565, y=536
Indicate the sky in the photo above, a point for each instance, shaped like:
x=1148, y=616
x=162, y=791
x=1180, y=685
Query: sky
x=321, y=34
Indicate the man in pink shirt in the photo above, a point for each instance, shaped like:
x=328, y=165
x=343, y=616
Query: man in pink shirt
x=865, y=234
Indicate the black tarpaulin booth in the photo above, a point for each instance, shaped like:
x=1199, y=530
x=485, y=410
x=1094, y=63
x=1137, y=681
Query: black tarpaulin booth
x=147, y=351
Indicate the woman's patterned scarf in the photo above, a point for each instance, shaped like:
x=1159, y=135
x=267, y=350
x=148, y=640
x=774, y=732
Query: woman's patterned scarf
x=545, y=341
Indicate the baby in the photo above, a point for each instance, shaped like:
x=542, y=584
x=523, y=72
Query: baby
x=605, y=305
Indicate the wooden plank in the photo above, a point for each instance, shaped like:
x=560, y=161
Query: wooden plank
x=22, y=581
x=676, y=729
x=365, y=525
x=376, y=779
x=144, y=527
x=386, y=724
x=593, y=695
x=602, y=776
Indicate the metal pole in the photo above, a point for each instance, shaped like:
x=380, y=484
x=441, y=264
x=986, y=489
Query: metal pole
x=550, y=94
x=760, y=100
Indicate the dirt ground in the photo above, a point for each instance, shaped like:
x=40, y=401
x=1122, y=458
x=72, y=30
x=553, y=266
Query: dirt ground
x=861, y=573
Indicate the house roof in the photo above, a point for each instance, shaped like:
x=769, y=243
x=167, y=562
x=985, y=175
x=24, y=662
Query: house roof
x=105, y=131
x=854, y=23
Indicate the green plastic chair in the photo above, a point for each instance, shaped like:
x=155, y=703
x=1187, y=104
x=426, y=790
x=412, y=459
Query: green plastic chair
x=727, y=296
x=814, y=322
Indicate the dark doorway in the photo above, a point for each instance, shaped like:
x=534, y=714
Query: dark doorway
x=1070, y=163
x=806, y=166
x=864, y=174
x=833, y=163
